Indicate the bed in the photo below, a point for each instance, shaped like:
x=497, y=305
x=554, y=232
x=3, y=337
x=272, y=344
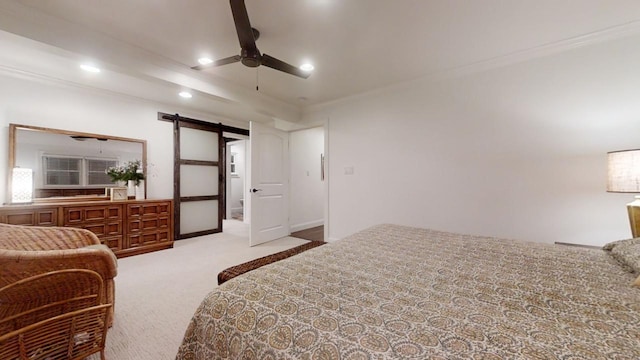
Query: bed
x=396, y=292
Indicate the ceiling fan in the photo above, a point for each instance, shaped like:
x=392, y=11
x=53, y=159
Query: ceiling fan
x=249, y=54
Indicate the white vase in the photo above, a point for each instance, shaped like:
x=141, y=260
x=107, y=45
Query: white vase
x=140, y=190
x=131, y=188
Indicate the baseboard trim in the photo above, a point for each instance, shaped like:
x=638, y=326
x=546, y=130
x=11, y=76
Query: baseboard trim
x=306, y=225
x=332, y=239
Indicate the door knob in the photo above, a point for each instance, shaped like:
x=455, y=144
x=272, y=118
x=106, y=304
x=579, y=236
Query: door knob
x=255, y=190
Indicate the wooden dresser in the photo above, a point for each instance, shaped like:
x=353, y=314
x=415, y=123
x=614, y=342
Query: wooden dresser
x=129, y=227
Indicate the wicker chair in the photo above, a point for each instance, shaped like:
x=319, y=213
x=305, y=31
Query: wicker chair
x=26, y=251
x=53, y=316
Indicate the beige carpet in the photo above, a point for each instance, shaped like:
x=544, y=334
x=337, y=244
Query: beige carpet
x=157, y=293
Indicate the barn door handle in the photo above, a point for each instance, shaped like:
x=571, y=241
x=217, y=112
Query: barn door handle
x=255, y=190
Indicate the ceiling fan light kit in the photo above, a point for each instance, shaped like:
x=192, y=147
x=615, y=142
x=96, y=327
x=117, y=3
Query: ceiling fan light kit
x=250, y=56
x=306, y=67
x=90, y=68
x=205, y=61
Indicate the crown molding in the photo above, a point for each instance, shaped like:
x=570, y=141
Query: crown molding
x=596, y=37
x=592, y=38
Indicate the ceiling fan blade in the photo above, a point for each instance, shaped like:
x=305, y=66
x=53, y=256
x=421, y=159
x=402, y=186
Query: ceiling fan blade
x=274, y=63
x=225, y=61
x=243, y=26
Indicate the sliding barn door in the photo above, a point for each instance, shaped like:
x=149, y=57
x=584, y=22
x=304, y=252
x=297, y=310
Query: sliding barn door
x=199, y=179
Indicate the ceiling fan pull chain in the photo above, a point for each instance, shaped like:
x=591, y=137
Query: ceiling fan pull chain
x=257, y=79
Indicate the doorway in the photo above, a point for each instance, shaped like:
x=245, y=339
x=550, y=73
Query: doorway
x=236, y=154
x=304, y=169
x=307, y=174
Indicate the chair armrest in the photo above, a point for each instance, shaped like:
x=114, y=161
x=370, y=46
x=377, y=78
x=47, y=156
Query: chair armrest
x=18, y=265
x=79, y=238
x=15, y=237
x=68, y=237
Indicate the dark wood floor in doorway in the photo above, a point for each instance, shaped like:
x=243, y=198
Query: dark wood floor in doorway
x=313, y=234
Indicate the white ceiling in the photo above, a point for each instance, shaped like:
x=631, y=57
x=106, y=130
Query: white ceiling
x=355, y=45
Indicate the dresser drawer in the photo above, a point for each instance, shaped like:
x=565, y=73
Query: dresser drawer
x=148, y=224
x=38, y=217
x=149, y=210
x=148, y=239
x=113, y=242
x=103, y=230
x=77, y=215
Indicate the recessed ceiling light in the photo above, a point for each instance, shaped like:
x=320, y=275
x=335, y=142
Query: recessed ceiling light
x=185, y=94
x=89, y=68
x=205, y=61
x=306, y=67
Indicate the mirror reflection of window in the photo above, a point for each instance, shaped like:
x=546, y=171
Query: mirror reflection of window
x=232, y=162
x=61, y=170
x=75, y=171
x=97, y=171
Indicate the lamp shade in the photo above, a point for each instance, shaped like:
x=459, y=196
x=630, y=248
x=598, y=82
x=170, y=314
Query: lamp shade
x=22, y=185
x=623, y=171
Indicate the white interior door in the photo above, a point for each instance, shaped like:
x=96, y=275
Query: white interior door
x=269, y=191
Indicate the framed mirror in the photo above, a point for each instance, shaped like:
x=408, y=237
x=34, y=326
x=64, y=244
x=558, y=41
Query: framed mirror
x=66, y=163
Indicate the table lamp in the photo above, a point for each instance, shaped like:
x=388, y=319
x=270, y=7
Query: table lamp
x=623, y=175
x=21, y=185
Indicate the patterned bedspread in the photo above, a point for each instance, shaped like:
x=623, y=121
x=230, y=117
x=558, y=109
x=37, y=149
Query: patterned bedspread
x=395, y=292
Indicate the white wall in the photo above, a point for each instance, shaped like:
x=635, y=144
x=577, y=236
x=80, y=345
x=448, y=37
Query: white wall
x=306, y=188
x=62, y=106
x=516, y=152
